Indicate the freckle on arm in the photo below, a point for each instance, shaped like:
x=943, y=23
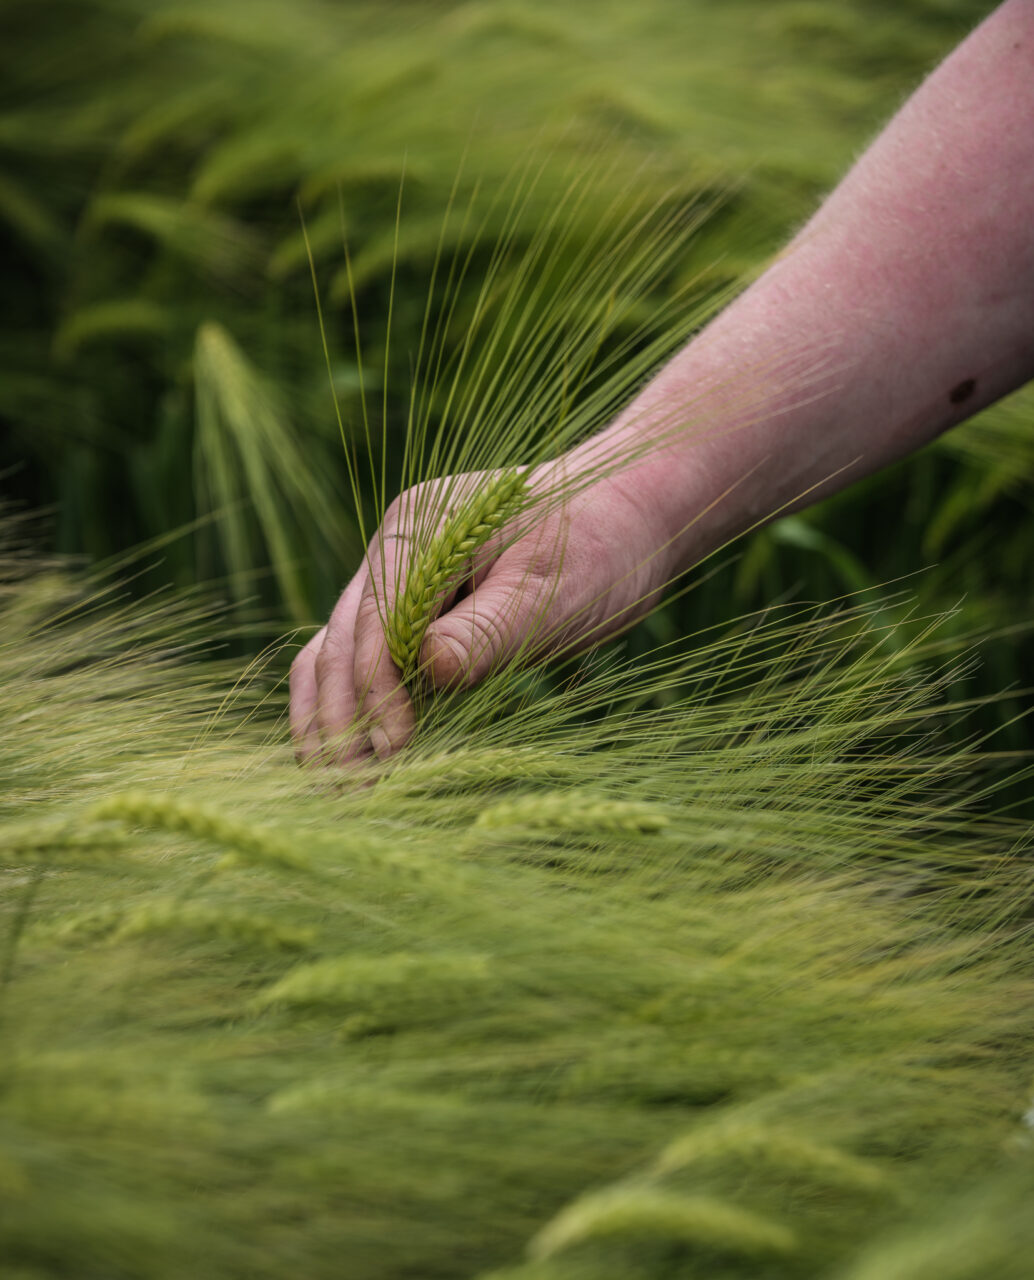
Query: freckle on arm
x=963, y=391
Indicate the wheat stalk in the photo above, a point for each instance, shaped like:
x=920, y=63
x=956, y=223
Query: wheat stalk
x=459, y=770
x=59, y=842
x=577, y=813
x=163, y=812
x=374, y=981
x=171, y=916
x=442, y=562
x=630, y=1213
x=778, y=1148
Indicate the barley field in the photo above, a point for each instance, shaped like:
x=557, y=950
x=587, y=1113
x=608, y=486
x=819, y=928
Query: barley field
x=704, y=954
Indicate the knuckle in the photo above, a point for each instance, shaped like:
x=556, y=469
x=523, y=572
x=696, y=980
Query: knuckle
x=335, y=642
x=368, y=614
x=484, y=631
x=320, y=670
x=399, y=511
x=325, y=662
x=470, y=647
x=305, y=658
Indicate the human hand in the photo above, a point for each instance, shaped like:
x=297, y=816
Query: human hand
x=576, y=564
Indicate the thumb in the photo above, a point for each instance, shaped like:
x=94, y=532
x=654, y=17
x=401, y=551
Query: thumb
x=501, y=619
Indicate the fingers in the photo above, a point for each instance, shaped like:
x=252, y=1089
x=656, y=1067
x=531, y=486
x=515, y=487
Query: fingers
x=304, y=697
x=556, y=590
x=342, y=679
x=504, y=617
x=339, y=736
x=384, y=706
x=347, y=695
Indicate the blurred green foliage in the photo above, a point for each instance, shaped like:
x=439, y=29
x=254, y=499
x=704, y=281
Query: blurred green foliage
x=806, y=993
x=738, y=987
x=160, y=361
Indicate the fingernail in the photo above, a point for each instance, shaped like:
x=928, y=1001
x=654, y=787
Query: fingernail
x=380, y=743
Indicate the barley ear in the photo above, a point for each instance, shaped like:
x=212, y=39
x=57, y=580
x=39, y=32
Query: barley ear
x=158, y=811
x=575, y=812
x=438, y=566
x=627, y=1214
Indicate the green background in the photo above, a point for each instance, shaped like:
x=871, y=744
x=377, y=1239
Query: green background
x=160, y=360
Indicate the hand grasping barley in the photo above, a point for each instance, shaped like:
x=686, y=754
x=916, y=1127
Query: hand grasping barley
x=437, y=569
x=547, y=571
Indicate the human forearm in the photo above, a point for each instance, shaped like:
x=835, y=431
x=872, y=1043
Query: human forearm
x=905, y=304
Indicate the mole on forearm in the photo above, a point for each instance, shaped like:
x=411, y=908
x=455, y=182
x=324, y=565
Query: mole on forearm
x=963, y=391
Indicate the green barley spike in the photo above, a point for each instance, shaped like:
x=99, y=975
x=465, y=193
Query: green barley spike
x=626, y=1213
x=159, y=811
x=440, y=564
x=460, y=770
x=575, y=812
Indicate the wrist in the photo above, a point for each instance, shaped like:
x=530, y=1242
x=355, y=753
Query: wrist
x=640, y=501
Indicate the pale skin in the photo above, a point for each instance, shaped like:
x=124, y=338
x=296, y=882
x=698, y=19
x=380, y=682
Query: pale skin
x=913, y=285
